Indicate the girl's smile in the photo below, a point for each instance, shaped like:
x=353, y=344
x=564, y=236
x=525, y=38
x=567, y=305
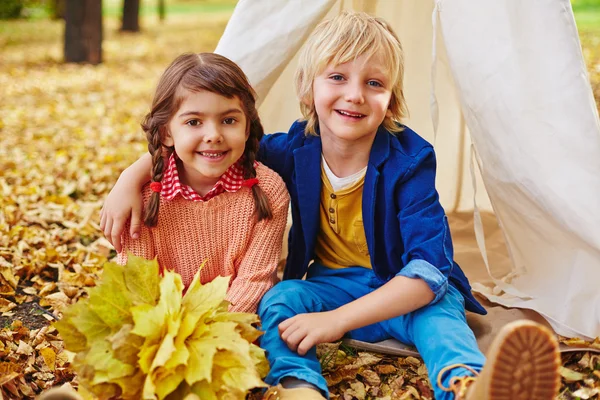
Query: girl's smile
x=212, y=154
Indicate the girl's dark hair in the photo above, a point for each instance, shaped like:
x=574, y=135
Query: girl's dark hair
x=195, y=72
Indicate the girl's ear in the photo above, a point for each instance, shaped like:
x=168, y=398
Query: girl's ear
x=167, y=138
x=168, y=141
x=248, y=128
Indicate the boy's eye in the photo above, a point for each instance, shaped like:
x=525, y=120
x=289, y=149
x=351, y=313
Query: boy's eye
x=374, y=83
x=193, y=122
x=336, y=77
x=229, y=121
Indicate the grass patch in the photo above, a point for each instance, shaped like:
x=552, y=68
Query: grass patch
x=587, y=15
x=588, y=20
x=148, y=8
x=114, y=8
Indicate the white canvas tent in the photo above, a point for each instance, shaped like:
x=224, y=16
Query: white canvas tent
x=506, y=86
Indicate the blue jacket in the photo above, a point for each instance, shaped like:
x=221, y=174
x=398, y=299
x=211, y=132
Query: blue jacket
x=405, y=225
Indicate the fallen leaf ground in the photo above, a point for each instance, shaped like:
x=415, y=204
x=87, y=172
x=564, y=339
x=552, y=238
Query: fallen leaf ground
x=66, y=131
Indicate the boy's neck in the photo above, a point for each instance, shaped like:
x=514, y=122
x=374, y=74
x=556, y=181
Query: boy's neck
x=345, y=159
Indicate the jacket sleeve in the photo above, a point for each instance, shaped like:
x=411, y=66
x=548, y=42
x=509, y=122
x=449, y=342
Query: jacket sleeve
x=256, y=271
x=428, y=252
x=273, y=150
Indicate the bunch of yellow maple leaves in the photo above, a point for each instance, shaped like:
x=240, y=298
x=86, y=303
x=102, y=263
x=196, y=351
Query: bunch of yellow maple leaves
x=136, y=336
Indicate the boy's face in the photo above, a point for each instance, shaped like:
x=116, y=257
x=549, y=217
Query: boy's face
x=352, y=99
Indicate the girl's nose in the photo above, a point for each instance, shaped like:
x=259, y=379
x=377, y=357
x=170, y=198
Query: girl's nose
x=212, y=134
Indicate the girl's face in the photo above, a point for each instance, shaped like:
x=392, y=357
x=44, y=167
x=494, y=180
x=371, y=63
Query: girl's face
x=209, y=132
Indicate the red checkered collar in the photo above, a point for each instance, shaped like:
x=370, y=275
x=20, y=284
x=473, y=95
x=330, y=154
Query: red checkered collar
x=232, y=180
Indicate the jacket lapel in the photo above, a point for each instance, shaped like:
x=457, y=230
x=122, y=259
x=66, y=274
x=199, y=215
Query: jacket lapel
x=380, y=152
x=307, y=161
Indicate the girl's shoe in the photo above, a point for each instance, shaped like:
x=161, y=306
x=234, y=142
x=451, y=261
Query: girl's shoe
x=280, y=393
x=522, y=364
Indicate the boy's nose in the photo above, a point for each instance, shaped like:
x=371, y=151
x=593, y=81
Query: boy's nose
x=354, y=93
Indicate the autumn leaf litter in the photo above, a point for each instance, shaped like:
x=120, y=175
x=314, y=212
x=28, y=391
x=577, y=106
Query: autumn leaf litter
x=66, y=131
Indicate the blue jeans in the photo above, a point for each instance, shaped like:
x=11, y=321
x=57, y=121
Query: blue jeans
x=439, y=331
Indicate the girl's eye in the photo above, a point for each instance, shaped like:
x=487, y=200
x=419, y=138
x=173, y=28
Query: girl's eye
x=374, y=84
x=336, y=77
x=193, y=122
x=229, y=121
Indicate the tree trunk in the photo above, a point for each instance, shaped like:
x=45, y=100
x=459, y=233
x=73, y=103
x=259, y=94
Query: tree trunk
x=131, y=12
x=161, y=10
x=83, y=31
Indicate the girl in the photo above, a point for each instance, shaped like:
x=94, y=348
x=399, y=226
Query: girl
x=209, y=201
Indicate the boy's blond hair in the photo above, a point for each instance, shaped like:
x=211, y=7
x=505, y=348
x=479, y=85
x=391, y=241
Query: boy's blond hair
x=343, y=39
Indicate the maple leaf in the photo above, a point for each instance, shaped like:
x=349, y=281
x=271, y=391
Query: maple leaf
x=138, y=336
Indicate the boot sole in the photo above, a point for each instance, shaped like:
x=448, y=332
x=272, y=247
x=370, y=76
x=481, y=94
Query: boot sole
x=60, y=394
x=525, y=364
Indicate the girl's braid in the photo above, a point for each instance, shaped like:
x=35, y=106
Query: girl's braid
x=260, y=198
x=155, y=148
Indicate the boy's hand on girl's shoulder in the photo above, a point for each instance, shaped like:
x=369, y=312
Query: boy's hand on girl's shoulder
x=115, y=213
x=304, y=331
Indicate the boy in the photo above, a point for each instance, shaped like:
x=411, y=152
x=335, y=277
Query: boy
x=377, y=234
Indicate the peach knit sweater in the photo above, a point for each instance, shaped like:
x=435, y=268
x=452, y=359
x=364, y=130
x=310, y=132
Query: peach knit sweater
x=222, y=231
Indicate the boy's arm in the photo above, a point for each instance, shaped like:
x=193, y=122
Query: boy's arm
x=272, y=151
x=141, y=247
x=256, y=271
x=428, y=251
x=125, y=201
x=399, y=296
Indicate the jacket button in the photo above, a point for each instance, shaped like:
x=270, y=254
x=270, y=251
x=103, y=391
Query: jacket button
x=332, y=195
x=332, y=220
x=332, y=210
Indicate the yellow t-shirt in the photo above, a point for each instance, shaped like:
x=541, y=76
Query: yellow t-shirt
x=341, y=241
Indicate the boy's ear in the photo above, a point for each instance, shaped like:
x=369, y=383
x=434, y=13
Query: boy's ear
x=307, y=101
x=388, y=112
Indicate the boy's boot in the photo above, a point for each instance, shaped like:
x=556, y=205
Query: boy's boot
x=302, y=393
x=65, y=392
x=522, y=364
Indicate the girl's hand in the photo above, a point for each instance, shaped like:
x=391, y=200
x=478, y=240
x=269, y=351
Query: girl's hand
x=304, y=331
x=123, y=202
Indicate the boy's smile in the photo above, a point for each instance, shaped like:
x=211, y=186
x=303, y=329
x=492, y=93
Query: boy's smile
x=351, y=100
x=209, y=134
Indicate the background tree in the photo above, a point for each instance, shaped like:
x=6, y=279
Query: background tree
x=131, y=13
x=10, y=9
x=161, y=10
x=83, y=31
